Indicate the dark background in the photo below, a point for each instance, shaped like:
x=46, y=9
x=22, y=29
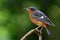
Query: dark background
x=15, y=21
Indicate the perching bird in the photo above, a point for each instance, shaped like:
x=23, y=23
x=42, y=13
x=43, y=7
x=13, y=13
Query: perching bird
x=39, y=18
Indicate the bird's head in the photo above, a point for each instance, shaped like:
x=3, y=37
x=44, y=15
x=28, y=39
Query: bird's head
x=31, y=9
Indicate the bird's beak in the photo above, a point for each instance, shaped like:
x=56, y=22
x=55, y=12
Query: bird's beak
x=27, y=9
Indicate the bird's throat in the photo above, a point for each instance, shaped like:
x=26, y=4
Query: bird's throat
x=30, y=12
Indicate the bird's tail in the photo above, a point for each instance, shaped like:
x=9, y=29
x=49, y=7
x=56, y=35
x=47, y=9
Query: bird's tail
x=48, y=31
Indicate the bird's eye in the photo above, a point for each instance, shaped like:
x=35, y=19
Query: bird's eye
x=32, y=9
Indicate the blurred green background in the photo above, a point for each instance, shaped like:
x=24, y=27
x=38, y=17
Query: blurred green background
x=15, y=21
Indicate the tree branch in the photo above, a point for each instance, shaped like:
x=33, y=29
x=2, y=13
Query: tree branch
x=30, y=32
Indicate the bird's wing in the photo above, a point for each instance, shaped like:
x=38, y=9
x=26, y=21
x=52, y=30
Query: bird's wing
x=40, y=16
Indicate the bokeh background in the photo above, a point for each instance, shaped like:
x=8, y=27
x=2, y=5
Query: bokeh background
x=15, y=22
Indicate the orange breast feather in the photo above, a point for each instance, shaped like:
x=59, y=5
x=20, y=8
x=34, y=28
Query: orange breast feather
x=35, y=21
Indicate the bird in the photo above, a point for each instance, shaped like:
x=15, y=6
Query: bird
x=39, y=18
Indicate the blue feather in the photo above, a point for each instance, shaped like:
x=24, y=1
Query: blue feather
x=48, y=31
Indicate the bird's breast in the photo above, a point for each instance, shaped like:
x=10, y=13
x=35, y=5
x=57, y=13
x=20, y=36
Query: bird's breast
x=37, y=22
